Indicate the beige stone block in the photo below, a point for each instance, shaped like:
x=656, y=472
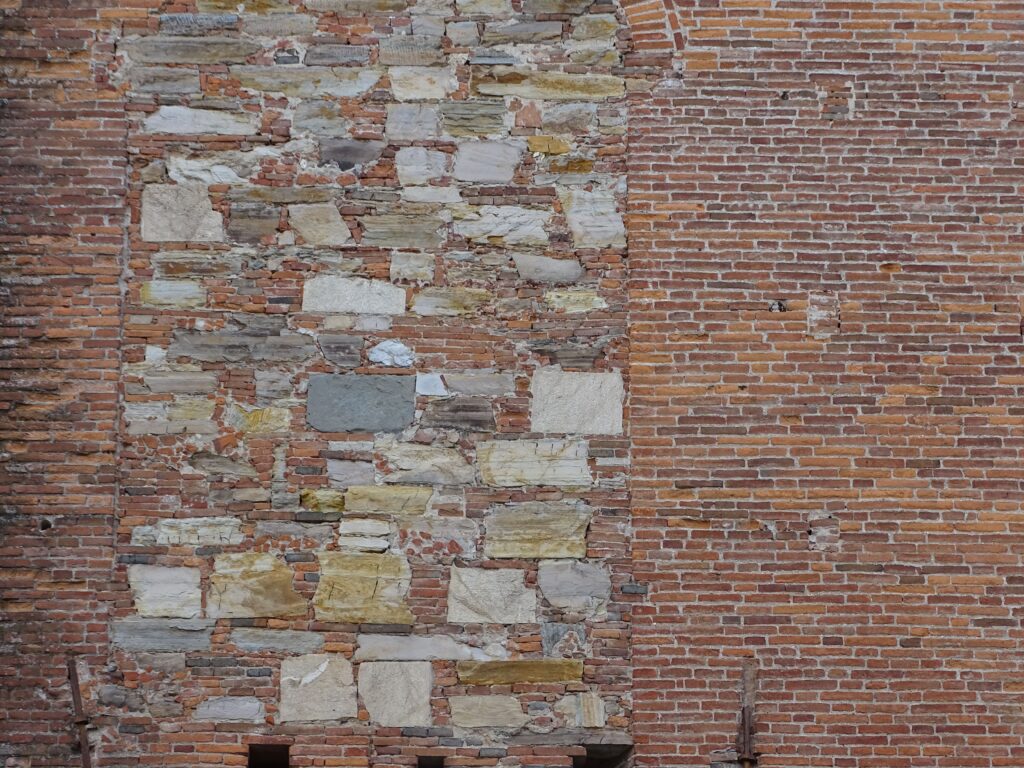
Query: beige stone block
x=317, y=687
x=253, y=585
x=537, y=529
x=397, y=693
x=490, y=596
x=511, y=463
x=388, y=499
x=363, y=588
x=520, y=671
x=487, y=712
x=576, y=403
x=555, y=86
x=161, y=591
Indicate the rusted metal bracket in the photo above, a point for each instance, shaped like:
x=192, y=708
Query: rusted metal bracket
x=81, y=721
x=745, y=752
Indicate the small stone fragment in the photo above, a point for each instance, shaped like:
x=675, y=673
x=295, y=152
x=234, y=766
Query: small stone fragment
x=350, y=153
x=418, y=267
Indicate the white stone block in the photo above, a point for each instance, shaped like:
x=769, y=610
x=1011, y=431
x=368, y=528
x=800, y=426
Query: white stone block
x=397, y=693
x=576, y=403
x=352, y=295
x=161, y=591
x=490, y=596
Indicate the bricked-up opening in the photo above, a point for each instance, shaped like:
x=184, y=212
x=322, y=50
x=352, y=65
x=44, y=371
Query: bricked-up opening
x=268, y=756
x=429, y=761
x=604, y=756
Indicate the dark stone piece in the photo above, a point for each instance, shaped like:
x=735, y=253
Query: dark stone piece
x=473, y=414
x=334, y=54
x=251, y=222
x=348, y=153
x=358, y=403
x=196, y=23
x=344, y=351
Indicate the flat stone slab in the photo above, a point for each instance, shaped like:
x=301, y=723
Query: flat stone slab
x=333, y=294
x=397, y=693
x=317, y=687
x=520, y=671
x=413, y=648
x=578, y=587
x=231, y=709
x=276, y=640
x=360, y=403
x=511, y=463
x=487, y=712
x=253, y=585
x=490, y=596
x=576, y=403
x=537, y=529
x=363, y=588
x=161, y=635
x=161, y=591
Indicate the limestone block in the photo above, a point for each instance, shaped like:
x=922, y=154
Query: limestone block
x=421, y=83
x=161, y=591
x=324, y=500
x=543, y=269
x=319, y=534
x=306, y=82
x=192, y=532
x=522, y=32
x=336, y=54
x=578, y=587
x=320, y=118
x=258, y=421
x=363, y=588
x=450, y=302
x=356, y=7
x=410, y=50
x=189, y=121
x=179, y=213
x=164, y=80
x=520, y=671
x=392, y=354
x=463, y=34
x=474, y=414
x=511, y=463
x=490, y=596
x=400, y=230
x=555, y=86
x=352, y=295
x=276, y=640
x=418, y=165
x=364, y=535
x=344, y=351
x=158, y=49
x=213, y=464
x=161, y=635
x=431, y=384
x=388, y=499
x=360, y=403
x=488, y=161
x=175, y=294
x=412, y=122
x=345, y=473
x=425, y=464
x=487, y=384
x=487, y=712
x=493, y=9
x=418, y=267
x=548, y=145
x=593, y=218
x=397, y=693
x=537, y=529
x=413, y=648
x=503, y=225
x=350, y=153
x=574, y=301
x=234, y=346
x=570, y=118
x=316, y=687
x=576, y=403
x=475, y=117
x=319, y=224
x=252, y=585
x=197, y=23
x=231, y=709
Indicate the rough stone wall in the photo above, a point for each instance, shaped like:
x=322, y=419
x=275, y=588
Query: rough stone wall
x=373, y=457
x=825, y=249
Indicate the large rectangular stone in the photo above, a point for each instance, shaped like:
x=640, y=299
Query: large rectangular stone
x=537, y=529
x=520, y=671
x=363, y=588
x=487, y=712
x=490, y=596
x=397, y=230
x=576, y=403
x=161, y=635
x=388, y=499
x=163, y=591
x=352, y=295
x=511, y=463
x=360, y=403
x=197, y=50
x=307, y=82
x=253, y=585
x=555, y=86
x=188, y=121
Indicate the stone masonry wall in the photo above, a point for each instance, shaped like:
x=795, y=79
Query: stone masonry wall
x=374, y=464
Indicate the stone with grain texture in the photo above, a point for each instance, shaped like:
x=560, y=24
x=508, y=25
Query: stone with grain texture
x=163, y=591
x=276, y=640
x=157, y=49
x=161, y=635
x=193, y=532
x=492, y=711
x=180, y=213
x=449, y=302
x=537, y=529
x=421, y=83
x=173, y=294
x=189, y=121
x=474, y=117
x=319, y=224
x=555, y=86
x=231, y=709
x=388, y=499
x=363, y=588
x=317, y=687
x=487, y=161
x=578, y=587
x=413, y=648
x=399, y=230
x=397, y=693
x=511, y=463
x=543, y=269
x=593, y=218
x=431, y=464
x=253, y=585
x=360, y=403
x=490, y=596
x=352, y=295
x=576, y=403
x=520, y=671
x=306, y=82
x=503, y=225
x=412, y=122
x=410, y=50
x=419, y=165
x=472, y=414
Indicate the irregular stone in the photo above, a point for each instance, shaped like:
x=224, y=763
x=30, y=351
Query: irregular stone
x=360, y=403
x=548, y=145
x=412, y=122
x=344, y=351
x=511, y=463
x=418, y=165
x=252, y=585
x=198, y=50
x=164, y=80
x=450, y=302
x=578, y=587
x=387, y=499
x=396, y=230
x=316, y=687
x=463, y=33
x=322, y=500
x=350, y=153
x=593, y=218
x=179, y=213
x=192, y=532
x=349, y=473
x=178, y=264
x=335, y=54
x=184, y=415
x=591, y=709
x=412, y=266
x=306, y=82
x=489, y=384
x=573, y=301
x=189, y=121
x=522, y=32
x=258, y=421
x=555, y=86
x=473, y=414
x=320, y=118
x=577, y=403
x=279, y=640
x=410, y=50
x=212, y=464
x=542, y=269
x=161, y=635
x=483, y=117
x=196, y=23
x=177, y=294
x=440, y=538
x=520, y=671
x=595, y=26
x=503, y=224
x=352, y=295
x=231, y=709
x=413, y=648
x=537, y=529
x=397, y=693
x=488, y=161
x=421, y=83
x=569, y=118
x=319, y=224
x=393, y=354
x=363, y=588
x=161, y=591
x=493, y=9
x=425, y=464
x=487, y=712
x=564, y=640
x=490, y=596
x=276, y=24
x=276, y=530
x=364, y=535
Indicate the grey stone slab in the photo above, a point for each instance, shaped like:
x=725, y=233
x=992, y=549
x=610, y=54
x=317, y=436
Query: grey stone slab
x=342, y=350
x=350, y=153
x=164, y=80
x=474, y=414
x=232, y=709
x=335, y=54
x=196, y=23
x=162, y=635
x=410, y=50
x=197, y=50
x=397, y=230
x=282, y=640
x=359, y=403
x=522, y=32
x=479, y=117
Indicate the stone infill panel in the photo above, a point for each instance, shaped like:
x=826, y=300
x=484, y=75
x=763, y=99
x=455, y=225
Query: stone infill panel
x=373, y=465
